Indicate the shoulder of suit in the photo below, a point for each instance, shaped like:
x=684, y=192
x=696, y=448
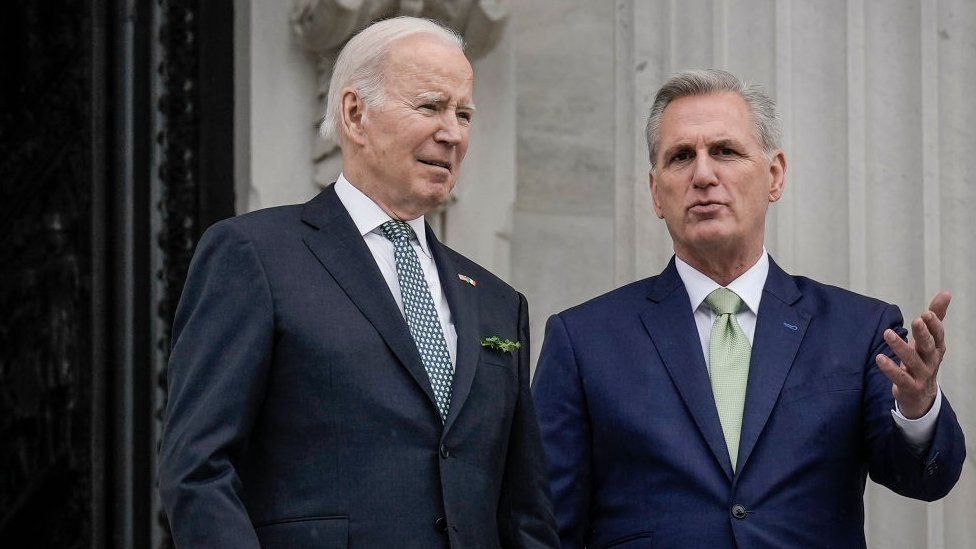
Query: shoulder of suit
x=815, y=297
x=271, y=215
x=614, y=302
x=260, y=222
x=819, y=295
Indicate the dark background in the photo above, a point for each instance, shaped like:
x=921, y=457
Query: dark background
x=116, y=144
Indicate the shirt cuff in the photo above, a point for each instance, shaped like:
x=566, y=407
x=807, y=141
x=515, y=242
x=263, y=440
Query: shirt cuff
x=919, y=432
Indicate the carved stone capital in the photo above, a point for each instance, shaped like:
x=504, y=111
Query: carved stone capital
x=323, y=26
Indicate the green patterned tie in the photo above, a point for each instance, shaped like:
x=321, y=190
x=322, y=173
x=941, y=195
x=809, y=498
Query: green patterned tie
x=421, y=314
x=728, y=356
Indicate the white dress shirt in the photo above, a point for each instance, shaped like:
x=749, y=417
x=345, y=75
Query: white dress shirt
x=368, y=217
x=749, y=287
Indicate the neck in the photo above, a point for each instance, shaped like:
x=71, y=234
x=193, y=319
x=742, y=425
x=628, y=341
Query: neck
x=723, y=268
x=363, y=183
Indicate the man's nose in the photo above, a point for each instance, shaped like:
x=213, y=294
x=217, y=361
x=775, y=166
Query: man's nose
x=450, y=131
x=704, y=171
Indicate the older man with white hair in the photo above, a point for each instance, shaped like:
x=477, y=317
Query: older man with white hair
x=339, y=378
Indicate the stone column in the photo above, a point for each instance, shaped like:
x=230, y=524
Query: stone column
x=563, y=245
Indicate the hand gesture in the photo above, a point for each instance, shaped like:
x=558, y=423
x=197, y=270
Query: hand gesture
x=914, y=379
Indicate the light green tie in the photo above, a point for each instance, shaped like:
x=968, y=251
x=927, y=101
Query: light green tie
x=728, y=356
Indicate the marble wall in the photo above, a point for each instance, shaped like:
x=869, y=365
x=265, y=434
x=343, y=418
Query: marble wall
x=554, y=198
x=563, y=242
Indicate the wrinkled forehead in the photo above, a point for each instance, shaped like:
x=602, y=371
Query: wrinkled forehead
x=708, y=118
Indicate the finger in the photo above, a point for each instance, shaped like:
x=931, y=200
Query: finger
x=912, y=363
x=936, y=328
x=924, y=341
x=897, y=375
x=940, y=304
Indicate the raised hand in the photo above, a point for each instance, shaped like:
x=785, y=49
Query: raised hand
x=914, y=379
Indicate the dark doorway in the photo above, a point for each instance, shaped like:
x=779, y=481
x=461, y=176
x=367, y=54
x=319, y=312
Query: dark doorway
x=116, y=134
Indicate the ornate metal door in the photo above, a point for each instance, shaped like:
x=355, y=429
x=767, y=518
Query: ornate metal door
x=116, y=122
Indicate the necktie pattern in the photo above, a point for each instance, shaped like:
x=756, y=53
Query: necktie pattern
x=729, y=352
x=422, y=319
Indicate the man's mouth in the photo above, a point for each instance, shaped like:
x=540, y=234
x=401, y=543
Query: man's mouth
x=436, y=163
x=706, y=208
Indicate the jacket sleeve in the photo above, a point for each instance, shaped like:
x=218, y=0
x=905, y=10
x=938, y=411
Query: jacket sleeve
x=892, y=461
x=564, y=420
x=525, y=513
x=222, y=346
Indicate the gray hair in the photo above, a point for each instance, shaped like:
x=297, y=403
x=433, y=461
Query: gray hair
x=768, y=129
x=360, y=63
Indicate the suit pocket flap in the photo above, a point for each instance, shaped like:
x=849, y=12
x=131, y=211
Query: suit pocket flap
x=302, y=533
x=842, y=381
x=499, y=359
x=631, y=541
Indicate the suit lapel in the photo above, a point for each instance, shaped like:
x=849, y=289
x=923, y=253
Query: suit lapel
x=671, y=324
x=462, y=298
x=779, y=330
x=340, y=248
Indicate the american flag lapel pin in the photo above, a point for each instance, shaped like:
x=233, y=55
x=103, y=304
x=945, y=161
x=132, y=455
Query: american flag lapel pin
x=468, y=279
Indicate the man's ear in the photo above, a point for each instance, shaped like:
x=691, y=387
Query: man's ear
x=352, y=115
x=777, y=175
x=654, y=198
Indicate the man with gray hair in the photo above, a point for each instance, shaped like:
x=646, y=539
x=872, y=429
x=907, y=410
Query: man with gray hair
x=339, y=378
x=723, y=402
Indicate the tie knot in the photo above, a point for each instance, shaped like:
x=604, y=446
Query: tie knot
x=724, y=301
x=397, y=230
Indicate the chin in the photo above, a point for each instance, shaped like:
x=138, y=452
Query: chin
x=711, y=240
x=714, y=230
x=432, y=199
x=438, y=191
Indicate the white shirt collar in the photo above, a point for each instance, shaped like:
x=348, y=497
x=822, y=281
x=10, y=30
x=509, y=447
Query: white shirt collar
x=368, y=216
x=749, y=285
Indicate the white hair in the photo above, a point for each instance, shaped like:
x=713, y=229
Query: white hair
x=708, y=81
x=360, y=64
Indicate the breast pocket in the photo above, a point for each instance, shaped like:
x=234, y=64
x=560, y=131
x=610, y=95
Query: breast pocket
x=823, y=385
x=496, y=359
x=821, y=418
x=490, y=405
x=331, y=532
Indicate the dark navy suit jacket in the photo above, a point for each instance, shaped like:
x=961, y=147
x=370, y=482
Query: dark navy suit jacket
x=637, y=455
x=300, y=414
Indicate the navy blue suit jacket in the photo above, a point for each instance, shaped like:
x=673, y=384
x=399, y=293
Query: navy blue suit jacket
x=300, y=414
x=637, y=455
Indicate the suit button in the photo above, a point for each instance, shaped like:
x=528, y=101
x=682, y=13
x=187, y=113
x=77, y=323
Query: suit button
x=445, y=451
x=738, y=511
x=440, y=524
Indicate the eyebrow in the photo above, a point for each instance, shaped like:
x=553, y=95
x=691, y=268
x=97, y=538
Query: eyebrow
x=438, y=98
x=724, y=142
x=727, y=142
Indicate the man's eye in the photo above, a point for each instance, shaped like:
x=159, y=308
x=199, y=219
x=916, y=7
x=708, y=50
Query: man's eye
x=725, y=151
x=465, y=116
x=428, y=107
x=681, y=156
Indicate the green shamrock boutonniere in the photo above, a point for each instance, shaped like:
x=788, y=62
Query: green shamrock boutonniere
x=502, y=345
